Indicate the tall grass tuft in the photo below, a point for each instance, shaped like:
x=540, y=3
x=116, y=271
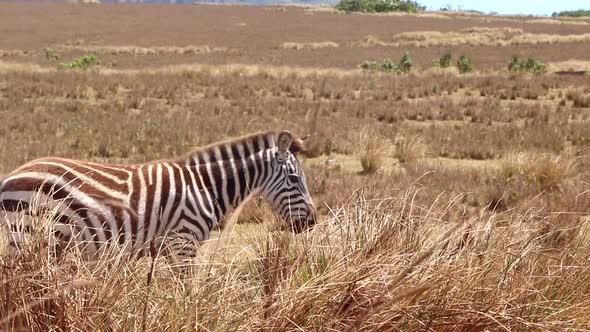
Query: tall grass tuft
x=543, y=171
x=373, y=151
x=409, y=149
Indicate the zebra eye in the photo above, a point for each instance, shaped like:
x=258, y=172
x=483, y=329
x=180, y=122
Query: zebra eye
x=293, y=178
x=280, y=158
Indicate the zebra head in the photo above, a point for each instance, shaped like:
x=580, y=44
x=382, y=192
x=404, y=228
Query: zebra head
x=287, y=188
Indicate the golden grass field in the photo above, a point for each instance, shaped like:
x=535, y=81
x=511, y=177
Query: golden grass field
x=447, y=201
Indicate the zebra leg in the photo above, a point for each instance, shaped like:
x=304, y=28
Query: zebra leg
x=181, y=249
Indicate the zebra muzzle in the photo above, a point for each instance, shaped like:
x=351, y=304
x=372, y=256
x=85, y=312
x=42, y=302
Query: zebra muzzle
x=304, y=221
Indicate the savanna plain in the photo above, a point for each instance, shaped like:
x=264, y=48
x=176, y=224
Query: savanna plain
x=448, y=201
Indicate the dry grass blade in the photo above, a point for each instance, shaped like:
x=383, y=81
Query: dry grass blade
x=365, y=268
x=408, y=150
x=136, y=50
x=373, y=151
x=311, y=45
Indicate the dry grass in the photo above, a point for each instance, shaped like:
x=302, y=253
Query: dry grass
x=545, y=172
x=579, y=97
x=474, y=36
x=516, y=18
x=408, y=150
x=198, y=69
x=374, y=264
x=476, y=117
x=311, y=45
x=371, y=41
x=12, y=53
x=569, y=66
x=373, y=150
x=244, y=70
x=271, y=71
x=84, y=2
x=136, y=50
x=9, y=67
x=556, y=21
x=535, y=39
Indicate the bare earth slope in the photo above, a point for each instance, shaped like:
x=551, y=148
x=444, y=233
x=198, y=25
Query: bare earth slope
x=256, y=34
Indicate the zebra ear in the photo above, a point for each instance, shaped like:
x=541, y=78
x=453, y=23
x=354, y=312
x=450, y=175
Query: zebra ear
x=284, y=141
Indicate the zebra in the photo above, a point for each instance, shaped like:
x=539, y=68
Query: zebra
x=181, y=200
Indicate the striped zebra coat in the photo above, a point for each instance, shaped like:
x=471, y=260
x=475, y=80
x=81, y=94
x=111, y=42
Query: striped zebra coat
x=181, y=200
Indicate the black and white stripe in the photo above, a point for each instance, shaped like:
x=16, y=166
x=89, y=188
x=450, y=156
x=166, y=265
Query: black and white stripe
x=181, y=200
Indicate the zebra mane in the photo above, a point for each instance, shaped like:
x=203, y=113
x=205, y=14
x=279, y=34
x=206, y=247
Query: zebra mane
x=267, y=138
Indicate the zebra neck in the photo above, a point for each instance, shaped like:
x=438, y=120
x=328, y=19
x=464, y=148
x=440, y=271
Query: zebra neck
x=231, y=170
x=232, y=181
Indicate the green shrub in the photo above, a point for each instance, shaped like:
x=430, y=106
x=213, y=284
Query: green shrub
x=405, y=63
x=379, y=6
x=531, y=65
x=82, y=62
x=370, y=65
x=465, y=64
x=51, y=55
x=572, y=13
x=387, y=65
x=444, y=61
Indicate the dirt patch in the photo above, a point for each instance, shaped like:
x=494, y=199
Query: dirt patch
x=249, y=35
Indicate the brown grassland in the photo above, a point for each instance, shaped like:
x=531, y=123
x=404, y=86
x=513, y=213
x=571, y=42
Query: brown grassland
x=447, y=201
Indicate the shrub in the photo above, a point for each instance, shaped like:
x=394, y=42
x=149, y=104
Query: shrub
x=409, y=149
x=387, y=65
x=379, y=6
x=370, y=65
x=465, y=64
x=530, y=64
x=51, y=55
x=405, y=63
x=572, y=13
x=444, y=61
x=82, y=62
